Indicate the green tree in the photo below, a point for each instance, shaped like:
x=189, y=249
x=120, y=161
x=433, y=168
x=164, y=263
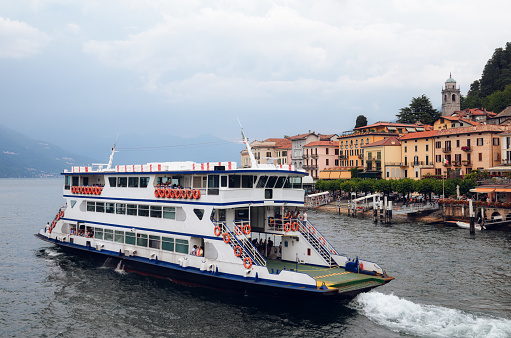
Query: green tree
x=425, y=186
x=405, y=186
x=354, y=172
x=419, y=110
x=365, y=186
x=384, y=186
x=361, y=121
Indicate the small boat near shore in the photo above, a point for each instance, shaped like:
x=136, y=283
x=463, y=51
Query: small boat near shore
x=206, y=224
x=465, y=225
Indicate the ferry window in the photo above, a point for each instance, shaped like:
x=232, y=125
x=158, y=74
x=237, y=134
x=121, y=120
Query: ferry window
x=197, y=182
x=156, y=211
x=109, y=235
x=262, y=181
x=154, y=242
x=75, y=181
x=296, y=182
x=142, y=240
x=100, y=207
x=112, y=181
x=271, y=181
x=199, y=213
x=98, y=233
x=67, y=182
x=119, y=236
x=133, y=182
x=144, y=182
x=280, y=182
x=143, y=210
x=234, y=181
x=268, y=194
x=130, y=238
x=167, y=244
x=247, y=181
x=122, y=182
x=110, y=208
x=91, y=206
x=169, y=212
x=241, y=214
x=213, y=183
x=223, y=181
x=287, y=184
x=120, y=208
x=73, y=202
x=182, y=246
x=131, y=209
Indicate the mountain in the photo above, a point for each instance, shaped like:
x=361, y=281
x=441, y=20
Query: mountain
x=21, y=156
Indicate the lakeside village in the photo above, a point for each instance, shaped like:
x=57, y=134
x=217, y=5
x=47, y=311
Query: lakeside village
x=430, y=172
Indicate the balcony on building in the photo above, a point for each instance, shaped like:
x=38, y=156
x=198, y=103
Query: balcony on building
x=466, y=163
x=446, y=150
x=310, y=167
x=314, y=155
x=466, y=148
x=361, y=156
x=456, y=163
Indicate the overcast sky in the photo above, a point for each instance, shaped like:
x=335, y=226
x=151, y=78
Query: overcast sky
x=79, y=72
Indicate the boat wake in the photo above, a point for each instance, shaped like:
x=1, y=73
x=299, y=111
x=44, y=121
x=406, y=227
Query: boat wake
x=406, y=317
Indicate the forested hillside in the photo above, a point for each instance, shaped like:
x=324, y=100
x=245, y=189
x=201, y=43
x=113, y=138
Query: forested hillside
x=493, y=90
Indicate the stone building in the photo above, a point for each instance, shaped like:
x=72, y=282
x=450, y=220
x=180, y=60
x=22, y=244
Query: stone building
x=450, y=97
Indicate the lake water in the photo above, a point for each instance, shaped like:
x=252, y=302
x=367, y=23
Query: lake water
x=448, y=284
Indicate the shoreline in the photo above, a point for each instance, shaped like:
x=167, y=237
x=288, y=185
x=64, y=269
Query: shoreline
x=433, y=217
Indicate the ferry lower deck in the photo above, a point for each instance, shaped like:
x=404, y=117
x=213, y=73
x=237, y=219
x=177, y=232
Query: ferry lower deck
x=331, y=277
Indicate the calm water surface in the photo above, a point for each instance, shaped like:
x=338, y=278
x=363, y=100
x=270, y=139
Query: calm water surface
x=448, y=284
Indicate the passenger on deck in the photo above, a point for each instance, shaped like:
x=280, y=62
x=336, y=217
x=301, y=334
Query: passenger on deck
x=199, y=252
x=73, y=231
x=194, y=250
x=47, y=227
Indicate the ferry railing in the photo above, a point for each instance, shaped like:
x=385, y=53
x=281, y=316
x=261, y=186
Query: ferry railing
x=248, y=249
x=249, y=246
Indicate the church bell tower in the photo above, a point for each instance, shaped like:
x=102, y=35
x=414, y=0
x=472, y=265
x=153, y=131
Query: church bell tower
x=450, y=97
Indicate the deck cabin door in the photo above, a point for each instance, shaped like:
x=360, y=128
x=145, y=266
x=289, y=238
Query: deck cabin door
x=257, y=216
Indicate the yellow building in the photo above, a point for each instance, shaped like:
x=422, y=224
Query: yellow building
x=417, y=154
x=382, y=159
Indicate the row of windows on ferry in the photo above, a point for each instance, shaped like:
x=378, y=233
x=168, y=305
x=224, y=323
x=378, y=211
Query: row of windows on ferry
x=156, y=211
x=195, y=181
x=141, y=240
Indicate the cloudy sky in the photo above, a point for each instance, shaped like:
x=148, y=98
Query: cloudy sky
x=77, y=73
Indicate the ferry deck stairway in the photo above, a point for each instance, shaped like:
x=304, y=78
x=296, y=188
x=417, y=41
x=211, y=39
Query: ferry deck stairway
x=318, y=242
x=239, y=238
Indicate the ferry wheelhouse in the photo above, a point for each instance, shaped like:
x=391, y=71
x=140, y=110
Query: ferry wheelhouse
x=207, y=224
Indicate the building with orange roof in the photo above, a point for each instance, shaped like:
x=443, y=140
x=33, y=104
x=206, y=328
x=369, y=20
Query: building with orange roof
x=383, y=159
x=320, y=155
x=269, y=151
x=461, y=150
x=417, y=154
x=445, y=122
x=299, y=142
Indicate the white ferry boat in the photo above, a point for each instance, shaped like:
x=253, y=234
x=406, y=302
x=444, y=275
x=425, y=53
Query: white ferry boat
x=208, y=224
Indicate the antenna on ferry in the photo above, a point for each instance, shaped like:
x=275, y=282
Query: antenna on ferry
x=249, y=150
x=112, y=154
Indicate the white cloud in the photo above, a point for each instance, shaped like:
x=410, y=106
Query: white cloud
x=18, y=39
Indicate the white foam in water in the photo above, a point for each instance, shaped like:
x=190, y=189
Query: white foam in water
x=52, y=253
x=120, y=268
x=403, y=316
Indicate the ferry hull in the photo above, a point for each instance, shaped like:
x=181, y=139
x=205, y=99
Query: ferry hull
x=218, y=281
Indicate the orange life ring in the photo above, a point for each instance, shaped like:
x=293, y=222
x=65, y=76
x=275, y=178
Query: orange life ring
x=156, y=194
x=218, y=231
x=58, y=217
x=247, y=229
x=171, y=193
x=189, y=193
x=196, y=194
x=183, y=193
x=226, y=237
x=177, y=193
x=87, y=190
x=247, y=263
x=238, y=230
x=167, y=193
x=321, y=239
x=287, y=227
x=98, y=190
x=161, y=192
x=294, y=226
x=238, y=251
x=312, y=229
x=61, y=213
